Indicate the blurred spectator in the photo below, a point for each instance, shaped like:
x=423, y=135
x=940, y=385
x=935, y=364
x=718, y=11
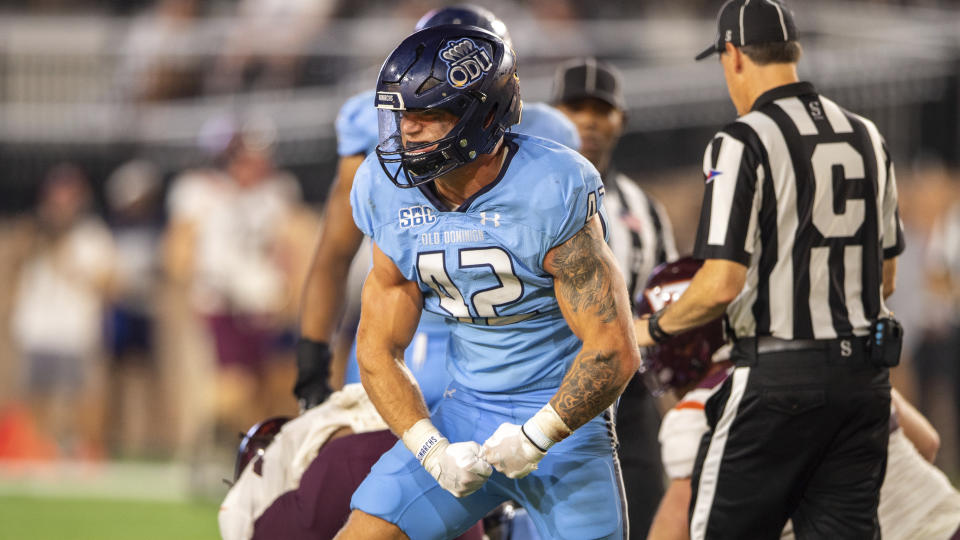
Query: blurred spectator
x=160, y=53
x=239, y=238
x=65, y=267
x=943, y=265
x=924, y=305
x=945, y=256
x=267, y=43
x=133, y=198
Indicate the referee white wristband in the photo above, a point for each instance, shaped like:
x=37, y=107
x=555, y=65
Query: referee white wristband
x=422, y=438
x=546, y=428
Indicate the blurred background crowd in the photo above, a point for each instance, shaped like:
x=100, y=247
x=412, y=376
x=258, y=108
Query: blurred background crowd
x=163, y=165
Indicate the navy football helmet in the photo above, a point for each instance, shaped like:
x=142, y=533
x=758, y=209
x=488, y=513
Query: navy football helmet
x=469, y=15
x=460, y=69
x=686, y=357
x=255, y=441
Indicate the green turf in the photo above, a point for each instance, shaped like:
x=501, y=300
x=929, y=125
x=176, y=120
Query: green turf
x=50, y=518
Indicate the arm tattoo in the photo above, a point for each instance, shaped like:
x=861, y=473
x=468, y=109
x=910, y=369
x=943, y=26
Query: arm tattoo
x=589, y=387
x=583, y=278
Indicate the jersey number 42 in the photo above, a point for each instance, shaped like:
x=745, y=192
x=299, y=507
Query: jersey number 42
x=432, y=268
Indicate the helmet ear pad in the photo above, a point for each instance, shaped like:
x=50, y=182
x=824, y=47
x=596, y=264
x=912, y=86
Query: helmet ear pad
x=461, y=69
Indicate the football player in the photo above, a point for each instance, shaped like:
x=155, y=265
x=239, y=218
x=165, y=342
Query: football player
x=497, y=233
x=294, y=477
x=325, y=293
x=916, y=500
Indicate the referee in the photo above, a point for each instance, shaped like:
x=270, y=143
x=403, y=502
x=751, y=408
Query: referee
x=589, y=92
x=799, y=231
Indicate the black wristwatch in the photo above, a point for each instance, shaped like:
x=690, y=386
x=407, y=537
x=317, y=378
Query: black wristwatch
x=657, y=334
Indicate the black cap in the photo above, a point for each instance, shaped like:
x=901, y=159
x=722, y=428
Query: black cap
x=745, y=22
x=588, y=78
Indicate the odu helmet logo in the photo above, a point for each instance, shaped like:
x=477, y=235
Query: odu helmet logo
x=466, y=62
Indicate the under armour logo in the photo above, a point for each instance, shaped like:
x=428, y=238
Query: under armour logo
x=846, y=348
x=495, y=219
x=448, y=393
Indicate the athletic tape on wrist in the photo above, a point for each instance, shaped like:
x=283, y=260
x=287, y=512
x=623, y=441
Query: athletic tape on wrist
x=421, y=438
x=545, y=428
x=541, y=441
x=425, y=449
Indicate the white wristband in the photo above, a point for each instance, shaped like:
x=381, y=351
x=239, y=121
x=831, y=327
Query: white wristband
x=546, y=428
x=421, y=438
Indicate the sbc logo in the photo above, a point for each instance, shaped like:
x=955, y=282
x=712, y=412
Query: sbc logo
x=466, y=62
x=415, y=216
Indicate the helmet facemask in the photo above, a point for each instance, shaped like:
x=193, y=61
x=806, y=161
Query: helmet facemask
x=254, y=442
x=417, y=163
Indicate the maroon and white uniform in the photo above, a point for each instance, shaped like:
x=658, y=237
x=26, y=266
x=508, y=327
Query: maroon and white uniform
x=300, y=487
x=684, y=425
x=290, y=455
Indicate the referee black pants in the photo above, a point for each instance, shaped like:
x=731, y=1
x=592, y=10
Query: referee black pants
x=795, y=434
x=638, y=423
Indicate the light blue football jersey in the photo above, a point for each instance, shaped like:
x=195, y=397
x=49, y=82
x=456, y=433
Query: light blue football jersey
x=356, y=125
x=542, y=120
x=480, y=267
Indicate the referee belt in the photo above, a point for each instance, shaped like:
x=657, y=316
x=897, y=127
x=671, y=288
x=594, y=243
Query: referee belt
x=847, y=347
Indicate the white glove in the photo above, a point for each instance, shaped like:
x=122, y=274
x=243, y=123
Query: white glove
x=515, y=450
x=458, y=468
x=511, y=452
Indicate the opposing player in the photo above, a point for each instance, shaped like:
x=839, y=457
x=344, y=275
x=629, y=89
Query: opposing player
x=294, y=477
x=498, y=233
x=916, y=500
x=325, y=290
x=290, y=475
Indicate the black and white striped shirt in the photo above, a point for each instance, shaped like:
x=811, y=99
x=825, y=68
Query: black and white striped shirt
x=804, y=194
x=640, y=234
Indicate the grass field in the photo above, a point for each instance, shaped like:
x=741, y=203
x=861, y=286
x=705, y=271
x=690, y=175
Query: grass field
x=55, y=518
